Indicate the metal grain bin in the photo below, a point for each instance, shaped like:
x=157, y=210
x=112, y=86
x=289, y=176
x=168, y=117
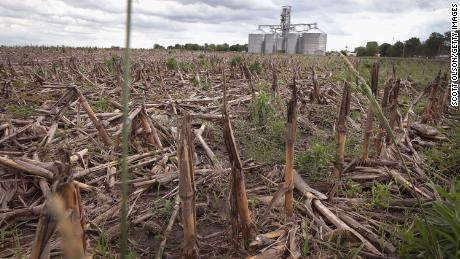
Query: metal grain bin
x=292, y=43
x=313, y=43
x=256, y=43
x=269, y=46
x=279, y=44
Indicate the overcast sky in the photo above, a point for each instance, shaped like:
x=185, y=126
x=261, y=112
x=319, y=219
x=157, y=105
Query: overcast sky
x=101, y=22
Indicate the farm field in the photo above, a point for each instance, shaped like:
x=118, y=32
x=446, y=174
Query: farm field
x=61, y=126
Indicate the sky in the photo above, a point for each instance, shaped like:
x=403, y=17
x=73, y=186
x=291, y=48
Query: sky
x=101, y=23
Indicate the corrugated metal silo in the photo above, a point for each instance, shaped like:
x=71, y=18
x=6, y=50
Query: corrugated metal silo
x=292, y=43
x=279, y=43
x=269, y=46
x=256, y=43
x=313, y=43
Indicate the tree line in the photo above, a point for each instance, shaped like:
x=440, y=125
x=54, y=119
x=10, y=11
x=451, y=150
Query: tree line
x=436, y=44
x=206, y=46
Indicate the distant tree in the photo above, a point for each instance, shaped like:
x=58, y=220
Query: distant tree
x=212, y=47
x=235, y=47
x=385, y=49
x=158, y=46
x=192, y=46
x=222, y=47
x=170, y=47
x=344, y=52
x=238, y=47
x=434, y=44
x=360, y=51
x=372, y=48
x=412, y=47
x=397, y=49
x=178, y=46
x=445, y=49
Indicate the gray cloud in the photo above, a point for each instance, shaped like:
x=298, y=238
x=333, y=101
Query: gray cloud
x=101, y=23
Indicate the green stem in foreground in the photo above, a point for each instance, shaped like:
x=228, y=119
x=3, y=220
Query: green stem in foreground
x=124, y=138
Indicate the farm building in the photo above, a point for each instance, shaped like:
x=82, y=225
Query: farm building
x=304, y=38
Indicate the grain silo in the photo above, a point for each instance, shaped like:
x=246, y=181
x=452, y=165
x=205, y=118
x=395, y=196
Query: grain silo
x=292, y=43
x=313, y=43
x=270, y=43
x=256, y=42
x=279, y=43
x=304, y=38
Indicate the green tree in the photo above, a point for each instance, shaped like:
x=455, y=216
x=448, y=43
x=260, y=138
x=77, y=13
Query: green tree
x=412, y=47
x=434, y=44
x=222, y=47
x=372, y=48
x=397, y=49
x=360, y=51
x=385, y=49
x=158, y=46
x=445, y=49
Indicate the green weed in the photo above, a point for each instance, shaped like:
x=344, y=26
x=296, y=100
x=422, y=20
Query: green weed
x=440, y=237
x=20, y=111
x=103, y=246
x=255, y=67
x=381, y=194
x=235, y=60
x=315, y=158
x=172, y=64
x=101, y=104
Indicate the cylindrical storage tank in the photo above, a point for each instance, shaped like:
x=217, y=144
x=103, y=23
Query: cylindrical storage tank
x=313, y=43
x=322, y=44
x=269, y=46
x=292, y=43
x=279, y=43
x=256, y=43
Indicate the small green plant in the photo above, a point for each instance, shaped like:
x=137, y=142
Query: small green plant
x=103, y=246
x=315, y=158
x=165, y=210
x=18, y=250
x=381, y=194
x=355, y=115
x=236, y=60
x=420, y=106
x=439, y=237
x=101, y=105
x=20, y=111
x=186, y=66
x=110, y=63
x=255, y=67
x=445, y=159
x=2, y=237
x=261, y=108
x=172, y=64
x=353, y=190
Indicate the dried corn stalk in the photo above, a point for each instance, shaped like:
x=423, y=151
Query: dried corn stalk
x=290, y=139
x=239, y=202
x=342, y=130
x=370, y=112
x=62, y=211
x=187, y=188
